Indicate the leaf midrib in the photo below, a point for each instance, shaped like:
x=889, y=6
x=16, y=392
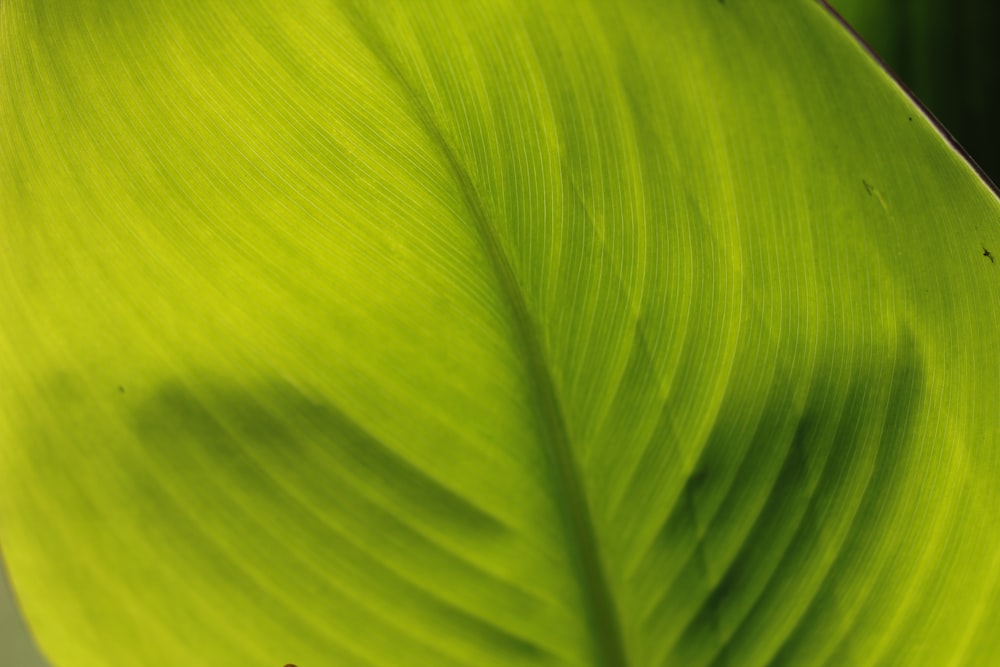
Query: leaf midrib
x=602, y=614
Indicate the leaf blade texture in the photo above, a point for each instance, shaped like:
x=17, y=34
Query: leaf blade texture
x=475, y=333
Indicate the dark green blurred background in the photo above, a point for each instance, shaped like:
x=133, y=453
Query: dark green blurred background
x=946, y=51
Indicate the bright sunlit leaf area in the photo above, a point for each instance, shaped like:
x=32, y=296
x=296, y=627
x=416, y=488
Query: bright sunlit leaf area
x=473, y=333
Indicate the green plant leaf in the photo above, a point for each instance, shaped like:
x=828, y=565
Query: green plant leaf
x=489, y=333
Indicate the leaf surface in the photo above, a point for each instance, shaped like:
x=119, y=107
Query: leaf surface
x=489, y=333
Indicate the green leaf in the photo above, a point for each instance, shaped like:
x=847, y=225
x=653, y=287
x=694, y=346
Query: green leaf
x=472, y=333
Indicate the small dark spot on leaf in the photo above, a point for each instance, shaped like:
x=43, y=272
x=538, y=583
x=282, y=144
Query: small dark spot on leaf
x=121, y=389
x=909, y=118
x=988, y=255
x=868, y=187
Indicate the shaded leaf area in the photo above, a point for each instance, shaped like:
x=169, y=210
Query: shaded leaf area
x=946, y=52
x=489, y=333
x=280, y=489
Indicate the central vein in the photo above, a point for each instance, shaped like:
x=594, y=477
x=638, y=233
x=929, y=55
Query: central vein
x=602, y=615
